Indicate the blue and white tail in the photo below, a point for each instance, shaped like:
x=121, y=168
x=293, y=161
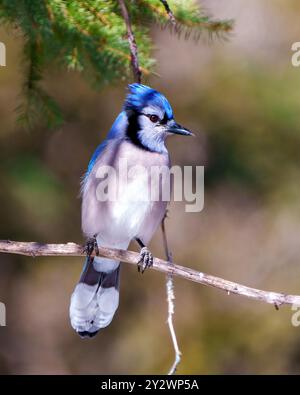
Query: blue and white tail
x=96, y=296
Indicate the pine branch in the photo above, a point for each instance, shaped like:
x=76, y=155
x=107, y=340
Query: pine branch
x=168, y=11
x=89, y=36
x=34, y=249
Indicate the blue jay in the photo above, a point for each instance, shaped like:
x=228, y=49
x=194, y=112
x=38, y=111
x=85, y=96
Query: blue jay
x=137, y=135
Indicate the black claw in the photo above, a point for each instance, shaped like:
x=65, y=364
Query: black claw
x=90, y=246
x=146, y=260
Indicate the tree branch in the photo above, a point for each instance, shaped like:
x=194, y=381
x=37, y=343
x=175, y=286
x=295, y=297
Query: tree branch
x=71, y=249
x=132, y=43
x=169, y=11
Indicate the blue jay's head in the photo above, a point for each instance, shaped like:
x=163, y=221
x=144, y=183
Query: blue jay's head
x=150, y=118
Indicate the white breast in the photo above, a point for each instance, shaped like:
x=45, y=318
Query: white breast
x=132, y=205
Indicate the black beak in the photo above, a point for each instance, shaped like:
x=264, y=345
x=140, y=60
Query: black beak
x=178, y=129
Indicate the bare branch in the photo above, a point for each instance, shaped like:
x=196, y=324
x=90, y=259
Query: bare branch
x=170, y=300
x=132, y=43
x=71, y=249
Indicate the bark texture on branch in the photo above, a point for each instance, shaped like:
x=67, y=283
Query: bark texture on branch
x=71, y=249
x=132, y=43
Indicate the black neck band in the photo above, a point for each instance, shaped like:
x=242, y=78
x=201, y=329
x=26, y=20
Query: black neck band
x=132, y=130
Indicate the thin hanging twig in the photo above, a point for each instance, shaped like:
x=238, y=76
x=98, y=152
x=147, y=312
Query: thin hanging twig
x=132, y=43
x=170, y=299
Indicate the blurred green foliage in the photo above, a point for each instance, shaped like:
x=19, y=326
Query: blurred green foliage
x=90, y=37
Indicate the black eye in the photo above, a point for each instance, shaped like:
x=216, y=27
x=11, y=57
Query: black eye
x=153, y=118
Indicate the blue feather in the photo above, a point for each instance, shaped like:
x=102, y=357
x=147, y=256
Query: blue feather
x=117, y=130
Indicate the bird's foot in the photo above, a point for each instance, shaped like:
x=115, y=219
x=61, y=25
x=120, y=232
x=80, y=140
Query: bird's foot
x=146, y=260
x=90, y=246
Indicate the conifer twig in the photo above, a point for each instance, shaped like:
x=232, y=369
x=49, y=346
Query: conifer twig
x=132, y=43
x=169, y=11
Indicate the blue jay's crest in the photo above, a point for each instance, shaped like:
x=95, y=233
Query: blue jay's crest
x=141, y=96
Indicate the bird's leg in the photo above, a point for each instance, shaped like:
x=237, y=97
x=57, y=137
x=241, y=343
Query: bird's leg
x=146, y=258
x=90, y=246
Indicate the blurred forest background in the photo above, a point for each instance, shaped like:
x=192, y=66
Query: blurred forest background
x=242, y=99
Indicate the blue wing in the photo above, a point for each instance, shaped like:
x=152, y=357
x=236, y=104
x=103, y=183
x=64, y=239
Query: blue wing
x=117, y=130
